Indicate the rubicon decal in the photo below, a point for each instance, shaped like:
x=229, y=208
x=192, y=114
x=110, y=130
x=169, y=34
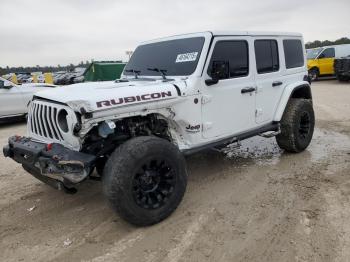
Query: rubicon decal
x=132, y=99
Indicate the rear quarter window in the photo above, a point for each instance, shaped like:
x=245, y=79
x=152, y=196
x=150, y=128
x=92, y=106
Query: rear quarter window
x=293, y=52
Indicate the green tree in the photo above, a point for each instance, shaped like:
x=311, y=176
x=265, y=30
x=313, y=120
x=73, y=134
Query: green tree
x=318, y=43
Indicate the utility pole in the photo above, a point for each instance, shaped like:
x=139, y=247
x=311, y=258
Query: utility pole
x=129, y=53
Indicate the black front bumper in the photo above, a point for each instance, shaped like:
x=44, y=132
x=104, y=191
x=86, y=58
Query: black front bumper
x=53, y=164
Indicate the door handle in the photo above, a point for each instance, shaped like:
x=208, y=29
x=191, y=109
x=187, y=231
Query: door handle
x=277, y=83
x=248, y=90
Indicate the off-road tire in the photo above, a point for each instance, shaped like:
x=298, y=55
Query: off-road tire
x=342, y=78
x=122, y=170
x=296, y=134
x=314, y=74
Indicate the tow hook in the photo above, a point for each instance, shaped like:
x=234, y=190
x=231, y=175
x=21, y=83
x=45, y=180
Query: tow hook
x=62, y=187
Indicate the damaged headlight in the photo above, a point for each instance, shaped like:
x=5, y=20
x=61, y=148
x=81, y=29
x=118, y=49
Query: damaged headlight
x=62, y=120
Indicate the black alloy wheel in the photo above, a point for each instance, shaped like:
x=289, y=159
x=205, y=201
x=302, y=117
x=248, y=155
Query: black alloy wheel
x=153, y=184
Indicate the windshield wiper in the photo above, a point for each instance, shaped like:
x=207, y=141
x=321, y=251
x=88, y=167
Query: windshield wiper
x=135, y=72
x=161, y=71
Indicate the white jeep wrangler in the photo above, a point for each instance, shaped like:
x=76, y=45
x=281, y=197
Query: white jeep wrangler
x=177, y=95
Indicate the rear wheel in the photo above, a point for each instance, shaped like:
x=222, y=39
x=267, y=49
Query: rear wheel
x=145, y=180
x=297, y=125
x=342, y=78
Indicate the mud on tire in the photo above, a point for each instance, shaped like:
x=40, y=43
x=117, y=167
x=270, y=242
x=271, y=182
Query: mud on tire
x=297, y=126
x=145, y=180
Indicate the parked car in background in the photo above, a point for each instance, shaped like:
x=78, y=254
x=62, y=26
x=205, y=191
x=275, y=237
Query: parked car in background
x=62, y=79
x=78, y=75
x=320, y=61
x=67, y=78
x=15, y=98
x=23, y=77
x=7, y=77
x=342, y=68
x=57, y=76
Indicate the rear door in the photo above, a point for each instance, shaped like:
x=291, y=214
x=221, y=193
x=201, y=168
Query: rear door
x=269, y=80
x=228, y=107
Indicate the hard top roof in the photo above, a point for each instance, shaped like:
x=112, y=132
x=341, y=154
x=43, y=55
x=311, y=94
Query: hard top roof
x=255, y=33
x=225, y=33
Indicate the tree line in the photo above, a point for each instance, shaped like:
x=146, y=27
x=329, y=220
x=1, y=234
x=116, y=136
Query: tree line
x=318, y=43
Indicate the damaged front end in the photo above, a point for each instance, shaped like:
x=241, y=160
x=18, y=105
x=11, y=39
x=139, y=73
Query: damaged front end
x=53, y=164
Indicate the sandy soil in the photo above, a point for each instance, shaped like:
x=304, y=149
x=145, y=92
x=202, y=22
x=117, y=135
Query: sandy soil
x=255, y=204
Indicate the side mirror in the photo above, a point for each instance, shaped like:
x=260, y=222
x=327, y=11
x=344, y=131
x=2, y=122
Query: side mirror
x=321, y=56
x=219, y=70
x=2, y=84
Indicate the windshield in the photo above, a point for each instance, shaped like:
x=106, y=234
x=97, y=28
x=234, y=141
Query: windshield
x=176, y=57
x=313, y=53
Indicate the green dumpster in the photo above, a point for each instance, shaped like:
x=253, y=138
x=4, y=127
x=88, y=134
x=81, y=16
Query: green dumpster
x=103, y=71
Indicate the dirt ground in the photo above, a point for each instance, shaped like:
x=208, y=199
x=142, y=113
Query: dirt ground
x=255, y=204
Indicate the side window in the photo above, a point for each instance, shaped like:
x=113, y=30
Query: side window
x=293, y=52
x=235, y=53
x=266, y=53
x=327, y=53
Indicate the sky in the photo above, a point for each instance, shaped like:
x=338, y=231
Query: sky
x=52, y=32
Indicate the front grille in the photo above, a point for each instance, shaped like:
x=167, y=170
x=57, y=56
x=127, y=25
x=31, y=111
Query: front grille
x=44, y=126
x=42, y=120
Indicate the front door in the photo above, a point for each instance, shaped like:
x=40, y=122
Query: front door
x=228, y=107
x=326, y=61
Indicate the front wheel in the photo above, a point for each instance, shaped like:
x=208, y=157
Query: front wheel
x=145, y=180
x=297, y=125
x=314, y=74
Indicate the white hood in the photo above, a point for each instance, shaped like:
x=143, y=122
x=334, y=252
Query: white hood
x=95, y=96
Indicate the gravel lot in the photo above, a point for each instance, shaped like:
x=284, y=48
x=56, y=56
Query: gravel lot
x=255, y=204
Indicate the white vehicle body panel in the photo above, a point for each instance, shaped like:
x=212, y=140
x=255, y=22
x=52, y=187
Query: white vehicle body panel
x=342, y=50
x=100, y=94
x=288, y=90
x=269, y=96
x=339, y=50
x=236, y=110
x=14, y=100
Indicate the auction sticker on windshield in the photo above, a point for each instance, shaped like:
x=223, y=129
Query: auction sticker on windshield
x=188, y=57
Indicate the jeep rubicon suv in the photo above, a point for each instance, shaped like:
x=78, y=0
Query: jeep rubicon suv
x=177, y=95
